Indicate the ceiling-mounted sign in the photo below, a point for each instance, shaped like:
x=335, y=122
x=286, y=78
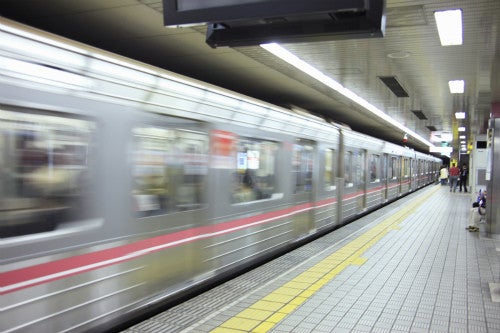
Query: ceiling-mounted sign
x=443, y=150
x=441, y=136
x=253, y=22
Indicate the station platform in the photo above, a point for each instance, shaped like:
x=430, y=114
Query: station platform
x=411, y=266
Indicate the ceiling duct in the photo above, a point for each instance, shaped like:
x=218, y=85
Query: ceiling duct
x=392, y=83
x=419, y=114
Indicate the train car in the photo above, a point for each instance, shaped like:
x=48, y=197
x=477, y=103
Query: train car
x=123, y=185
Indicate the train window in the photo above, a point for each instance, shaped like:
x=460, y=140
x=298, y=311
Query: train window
x=348, y=179
x=45, y=171
x=255, y=170
x=330, y=172
x=302, y=165
x=169, y=166
x=374, y=168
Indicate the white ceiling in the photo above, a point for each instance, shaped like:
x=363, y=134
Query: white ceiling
x=134, y=28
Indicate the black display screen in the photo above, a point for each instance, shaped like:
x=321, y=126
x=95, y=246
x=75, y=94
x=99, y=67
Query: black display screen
x=183, y=5
x=252, y=22
x=188, y=12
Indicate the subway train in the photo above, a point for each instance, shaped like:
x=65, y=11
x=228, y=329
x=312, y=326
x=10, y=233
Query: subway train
x=124, y=186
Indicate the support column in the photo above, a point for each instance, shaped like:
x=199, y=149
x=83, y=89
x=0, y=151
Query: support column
x=493, y=171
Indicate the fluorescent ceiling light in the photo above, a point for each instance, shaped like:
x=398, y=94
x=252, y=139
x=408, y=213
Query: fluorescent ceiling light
x=313, y=72
x=460, y=115
x=449, y=24
x=461, y=129
x=462, y=137
x=457, y=86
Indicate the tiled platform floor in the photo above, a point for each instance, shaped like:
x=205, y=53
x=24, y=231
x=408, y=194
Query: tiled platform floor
x=409, y=267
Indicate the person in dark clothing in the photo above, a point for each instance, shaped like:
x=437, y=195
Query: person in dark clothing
x=464, y=173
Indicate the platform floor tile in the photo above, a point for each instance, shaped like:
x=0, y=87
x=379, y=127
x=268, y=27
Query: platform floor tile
x=409, y=267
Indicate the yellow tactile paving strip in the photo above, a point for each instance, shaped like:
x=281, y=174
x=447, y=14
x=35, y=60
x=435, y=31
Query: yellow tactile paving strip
x=264, y=314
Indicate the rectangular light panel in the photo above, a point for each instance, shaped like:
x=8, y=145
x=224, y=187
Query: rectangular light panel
x=457, y=86
x=449, y=24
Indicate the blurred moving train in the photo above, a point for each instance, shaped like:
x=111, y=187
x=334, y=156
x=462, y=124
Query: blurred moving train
x=123, y=185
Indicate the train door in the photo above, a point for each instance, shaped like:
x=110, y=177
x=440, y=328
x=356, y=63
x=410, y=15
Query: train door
x=422, y=173
x=326, y=212
x=414, y=173
x=303, y=183
x=169, y=168
x=361, y=175
x=393, y=175
x=429, y=172
x=353, y=193
x=405, y=174
x=375, y=189
x=384, y=177
x=399, y=174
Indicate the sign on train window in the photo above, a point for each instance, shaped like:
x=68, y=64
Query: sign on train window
x=254, y=177
x=330, y=169
x=302, y=165
x=169, y=166
x=222, y=150
x=45, y=171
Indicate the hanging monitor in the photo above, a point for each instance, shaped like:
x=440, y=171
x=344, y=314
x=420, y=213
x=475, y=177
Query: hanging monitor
x=253, y=22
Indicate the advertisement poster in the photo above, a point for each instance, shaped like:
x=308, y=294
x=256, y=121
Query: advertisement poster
x=223, y=149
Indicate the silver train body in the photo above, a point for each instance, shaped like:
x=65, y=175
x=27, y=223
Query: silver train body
x=123, y=185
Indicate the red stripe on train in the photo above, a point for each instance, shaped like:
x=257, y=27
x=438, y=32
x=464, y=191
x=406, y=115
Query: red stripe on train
x=43, y=273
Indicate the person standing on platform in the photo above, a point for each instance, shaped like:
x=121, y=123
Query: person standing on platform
x=454, y=174
x=443, y=174
x=464, y=173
